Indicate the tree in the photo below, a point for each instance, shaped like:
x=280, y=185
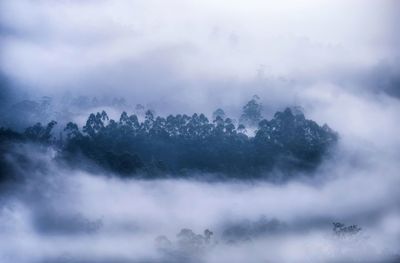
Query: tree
x=72, y=131
x=95, y=123
x=252, y=112
x=341, y=230
x=218, y=113
x=39, y=133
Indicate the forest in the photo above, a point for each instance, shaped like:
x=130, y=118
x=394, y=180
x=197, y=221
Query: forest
x=152, y=146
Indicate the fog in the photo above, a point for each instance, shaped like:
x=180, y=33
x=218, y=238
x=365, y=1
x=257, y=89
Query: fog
x=60, y=215
x=338, y=60
x=196, y=56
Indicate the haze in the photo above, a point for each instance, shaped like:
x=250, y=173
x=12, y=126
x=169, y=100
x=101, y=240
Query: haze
x=337, y=60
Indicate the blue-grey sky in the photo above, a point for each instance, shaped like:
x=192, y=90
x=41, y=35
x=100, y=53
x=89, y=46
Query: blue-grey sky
x=181, y=49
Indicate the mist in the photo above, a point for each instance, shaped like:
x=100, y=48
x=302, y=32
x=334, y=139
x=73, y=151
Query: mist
x=214, y=52
x=336, y=60
x=62, y=215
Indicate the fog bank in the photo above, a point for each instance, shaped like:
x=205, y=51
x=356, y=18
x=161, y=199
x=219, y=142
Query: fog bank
x=60, y=215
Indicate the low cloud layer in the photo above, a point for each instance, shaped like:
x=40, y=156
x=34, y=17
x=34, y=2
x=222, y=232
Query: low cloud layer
x=60, y=215
x=336, y=59
x=167, y=53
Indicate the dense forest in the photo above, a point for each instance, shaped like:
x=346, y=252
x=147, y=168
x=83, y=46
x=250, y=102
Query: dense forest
x=154, y=146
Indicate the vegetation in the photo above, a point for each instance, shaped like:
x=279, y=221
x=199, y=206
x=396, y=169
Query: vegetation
x=187, y=247
x=341, y=230
x=177, y=144
x=252, y=112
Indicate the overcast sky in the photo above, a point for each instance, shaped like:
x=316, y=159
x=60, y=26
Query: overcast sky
x=173, y=51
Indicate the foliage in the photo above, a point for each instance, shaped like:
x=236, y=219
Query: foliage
x=219, y=113
x=341, y=230
x=178, y=144
x=188, y=245
x=40, y=133
x=252, y=112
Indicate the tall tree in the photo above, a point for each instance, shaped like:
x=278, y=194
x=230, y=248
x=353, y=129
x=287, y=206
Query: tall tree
x=252, y=112
x=219, y=113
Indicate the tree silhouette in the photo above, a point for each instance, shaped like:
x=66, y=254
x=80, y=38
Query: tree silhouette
x=252, y=112
x=178, y=144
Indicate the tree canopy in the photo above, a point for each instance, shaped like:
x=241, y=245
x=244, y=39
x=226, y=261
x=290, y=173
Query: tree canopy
x=178, y=144
x=252, y=112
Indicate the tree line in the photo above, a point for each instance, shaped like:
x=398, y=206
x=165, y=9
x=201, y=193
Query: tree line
x=154, y=146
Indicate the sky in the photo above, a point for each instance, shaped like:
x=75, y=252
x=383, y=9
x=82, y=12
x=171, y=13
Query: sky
x=186, y=55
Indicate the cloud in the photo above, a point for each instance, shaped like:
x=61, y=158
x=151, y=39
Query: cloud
x=177, y=48
x=337, y=59
x=86, y=217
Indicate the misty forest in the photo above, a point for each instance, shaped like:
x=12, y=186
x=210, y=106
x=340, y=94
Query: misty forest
x=182, y=144
x=199, y=132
